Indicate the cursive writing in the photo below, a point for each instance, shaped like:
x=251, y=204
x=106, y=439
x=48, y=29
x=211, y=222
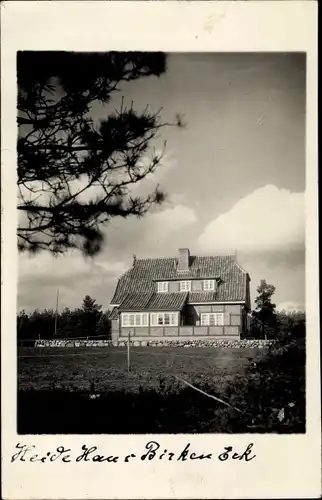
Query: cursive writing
x=152, y=451
x=229, y=453
x=27, y=454
x=186, y=454
x=89, y=455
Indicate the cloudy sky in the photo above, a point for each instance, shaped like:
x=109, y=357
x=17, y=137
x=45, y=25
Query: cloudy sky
x=235, y=179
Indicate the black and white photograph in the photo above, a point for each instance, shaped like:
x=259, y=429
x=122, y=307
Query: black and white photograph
x=162, y=242
x=160, y=305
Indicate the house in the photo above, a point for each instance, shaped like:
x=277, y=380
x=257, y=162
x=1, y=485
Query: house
x=181, y=297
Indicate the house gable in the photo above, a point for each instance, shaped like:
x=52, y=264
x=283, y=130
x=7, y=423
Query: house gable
x=142, y=309
x=139, y=283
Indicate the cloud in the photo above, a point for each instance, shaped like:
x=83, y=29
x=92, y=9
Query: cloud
x=158, y=233
x=42, y=194
x=160, y=177
x=44, y=264
x=290, y=306
x=172, y=219
x=269, y=219
x=41, y=275
x=151, y=232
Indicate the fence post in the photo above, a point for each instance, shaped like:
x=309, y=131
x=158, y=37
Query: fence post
x=128, y=352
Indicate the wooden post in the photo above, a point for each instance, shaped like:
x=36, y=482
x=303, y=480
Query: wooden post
x=56, y=313
x=128, y=352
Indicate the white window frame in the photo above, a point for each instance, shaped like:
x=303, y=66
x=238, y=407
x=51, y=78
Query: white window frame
x=134, y=320
x=164, y=319
x=185, y=286
x=212, y=319
x=208, y=285
x=163, y=286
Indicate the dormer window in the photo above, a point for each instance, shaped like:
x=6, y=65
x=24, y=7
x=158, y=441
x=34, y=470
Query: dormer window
x=185, y=286
x=209, y=285
x=163, y=286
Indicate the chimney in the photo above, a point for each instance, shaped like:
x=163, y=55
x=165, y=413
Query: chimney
x=183, y=261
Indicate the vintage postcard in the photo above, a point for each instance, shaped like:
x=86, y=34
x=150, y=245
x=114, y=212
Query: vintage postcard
x=160, y=320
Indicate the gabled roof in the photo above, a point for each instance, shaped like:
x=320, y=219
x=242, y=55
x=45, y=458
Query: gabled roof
x=137, y=285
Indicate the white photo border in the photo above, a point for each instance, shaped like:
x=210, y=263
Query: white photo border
x=286, y=466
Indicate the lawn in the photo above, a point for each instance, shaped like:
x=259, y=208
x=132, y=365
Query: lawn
x=89, y=390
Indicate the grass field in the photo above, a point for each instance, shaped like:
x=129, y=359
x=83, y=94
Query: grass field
x=106, y=369
x=89, y=390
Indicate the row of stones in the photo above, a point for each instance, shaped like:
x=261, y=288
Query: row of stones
x=154, y=343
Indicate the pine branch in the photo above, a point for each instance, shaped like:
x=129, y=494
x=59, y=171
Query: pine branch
x=60, y=145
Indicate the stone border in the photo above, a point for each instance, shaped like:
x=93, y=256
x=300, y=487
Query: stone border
x=155, y=343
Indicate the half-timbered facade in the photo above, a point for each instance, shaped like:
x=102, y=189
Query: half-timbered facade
x=181, y=297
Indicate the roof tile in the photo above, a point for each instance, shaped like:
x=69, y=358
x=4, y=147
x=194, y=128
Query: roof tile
x=198, y=297
x=167, y=301
x=153, y=302
x=142, y=276
x=135, y=301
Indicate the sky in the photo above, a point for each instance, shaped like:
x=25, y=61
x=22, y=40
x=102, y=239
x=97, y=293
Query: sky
x=234, y=178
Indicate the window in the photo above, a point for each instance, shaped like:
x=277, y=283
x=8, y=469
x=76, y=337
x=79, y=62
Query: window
x=164, y=319
x=134, y=319
x=209, y=284
x=185, y=286
x=212, y=319
x=163, y=286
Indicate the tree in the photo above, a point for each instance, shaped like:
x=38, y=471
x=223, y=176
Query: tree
x=291, y=326
x=265, y=312
x=22, y=325
x=90, y=317
x=86, y=321
x=69, y=323
x=75, y=175
x=38, y=324
x=104, y=325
